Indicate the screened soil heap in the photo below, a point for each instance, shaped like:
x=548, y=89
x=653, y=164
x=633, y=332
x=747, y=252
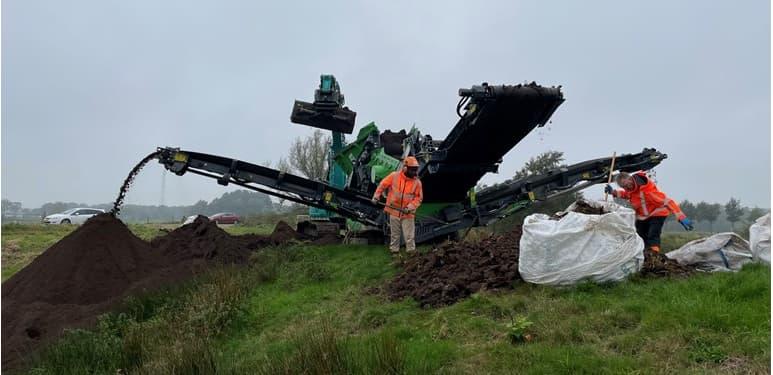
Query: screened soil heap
x=202, y=240
x=455, y=270
x=93, y=268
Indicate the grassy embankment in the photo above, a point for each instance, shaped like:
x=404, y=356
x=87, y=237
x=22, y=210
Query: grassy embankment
x=308, y=308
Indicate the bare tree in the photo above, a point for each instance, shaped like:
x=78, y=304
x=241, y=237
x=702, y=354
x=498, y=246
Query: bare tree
x=284, y=166
x=308, y=156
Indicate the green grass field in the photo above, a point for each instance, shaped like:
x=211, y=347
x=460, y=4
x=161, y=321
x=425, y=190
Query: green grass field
x=306, y=309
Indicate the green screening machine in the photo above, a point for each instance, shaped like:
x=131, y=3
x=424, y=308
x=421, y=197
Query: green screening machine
x=492, y=119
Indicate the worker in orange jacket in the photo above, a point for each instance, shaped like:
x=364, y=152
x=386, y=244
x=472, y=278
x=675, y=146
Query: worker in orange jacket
x=652, y=206
x=403, y=197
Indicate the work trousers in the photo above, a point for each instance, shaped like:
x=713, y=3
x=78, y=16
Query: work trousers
x=649, y=230
x=406, y=226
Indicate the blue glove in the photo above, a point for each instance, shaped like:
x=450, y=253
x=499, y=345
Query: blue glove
x=686, y=223
x=608, y=189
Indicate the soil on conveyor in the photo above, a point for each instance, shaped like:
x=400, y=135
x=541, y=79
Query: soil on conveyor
x=659, y=265
x=93, y=268
x=455, y=270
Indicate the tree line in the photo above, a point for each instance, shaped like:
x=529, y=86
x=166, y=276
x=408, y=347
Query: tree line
x=240, y=202
x=731, y=216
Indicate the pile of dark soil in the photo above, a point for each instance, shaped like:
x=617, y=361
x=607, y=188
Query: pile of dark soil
x=581, y=206
x=657, y=264
x=283, y=233
x=90, y=265
x=455, y=270
x=584, y=207
x=71, y=283
x=93, y=268
x=202, y=239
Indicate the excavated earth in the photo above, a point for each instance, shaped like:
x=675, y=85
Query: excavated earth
x=455, y=270
x=580, y=206
x=659, y=265
x=93, y=268
x=584, y=207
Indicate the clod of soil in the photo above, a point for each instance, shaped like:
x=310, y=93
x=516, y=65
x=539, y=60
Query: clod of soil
x=657, y=264
x=455, y=270
x=93, y=268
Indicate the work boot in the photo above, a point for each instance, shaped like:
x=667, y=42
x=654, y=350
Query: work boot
x=397, y=259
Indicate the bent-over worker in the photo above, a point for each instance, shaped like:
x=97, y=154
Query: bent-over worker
x=403, y=197
x=652, y=206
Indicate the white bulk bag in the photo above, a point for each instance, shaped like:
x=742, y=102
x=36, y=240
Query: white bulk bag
x=720, y=252
x=579, y=246
x=759, y=237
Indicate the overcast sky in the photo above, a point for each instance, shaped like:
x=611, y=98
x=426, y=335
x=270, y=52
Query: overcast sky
x=89, y=88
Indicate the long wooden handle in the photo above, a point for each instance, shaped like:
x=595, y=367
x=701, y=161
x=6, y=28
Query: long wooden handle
x=609, y=180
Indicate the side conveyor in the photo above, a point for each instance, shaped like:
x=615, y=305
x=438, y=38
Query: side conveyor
x=491, y=204
x=273, y=182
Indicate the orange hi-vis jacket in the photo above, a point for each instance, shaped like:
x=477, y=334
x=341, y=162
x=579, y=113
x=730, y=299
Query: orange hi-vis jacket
x=648, y=201
x=403, y=193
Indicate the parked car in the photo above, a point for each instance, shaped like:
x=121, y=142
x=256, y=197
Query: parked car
x=225, y=218
x=73, y=216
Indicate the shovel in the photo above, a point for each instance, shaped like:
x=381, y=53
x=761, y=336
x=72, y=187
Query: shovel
x=609, y=180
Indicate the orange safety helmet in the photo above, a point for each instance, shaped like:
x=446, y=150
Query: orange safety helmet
x=410, y=161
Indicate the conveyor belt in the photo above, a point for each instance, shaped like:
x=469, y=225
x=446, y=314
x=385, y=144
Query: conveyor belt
x=496, y=119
